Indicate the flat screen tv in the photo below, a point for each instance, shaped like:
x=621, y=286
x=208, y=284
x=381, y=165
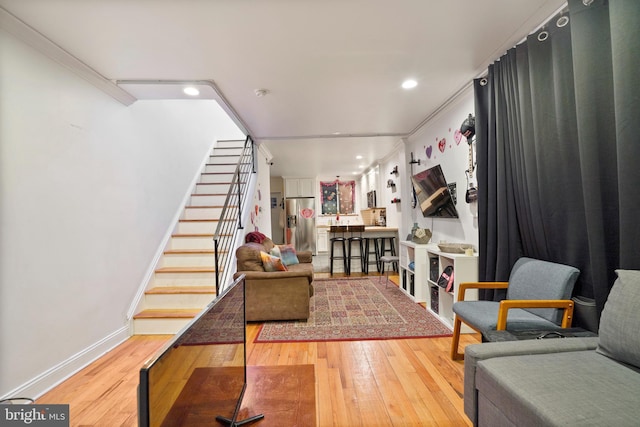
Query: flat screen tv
x=199, y=377
x=433, y=194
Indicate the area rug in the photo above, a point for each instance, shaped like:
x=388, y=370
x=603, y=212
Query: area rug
x=355, y=309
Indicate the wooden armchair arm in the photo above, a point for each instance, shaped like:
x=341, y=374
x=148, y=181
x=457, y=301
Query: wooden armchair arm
x=479, y=285
x=505, y=305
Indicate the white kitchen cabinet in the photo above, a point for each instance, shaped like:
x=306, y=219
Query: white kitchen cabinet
x=322, y=244
x=299, y=187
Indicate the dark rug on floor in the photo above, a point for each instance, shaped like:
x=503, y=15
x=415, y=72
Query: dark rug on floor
x=357, y=309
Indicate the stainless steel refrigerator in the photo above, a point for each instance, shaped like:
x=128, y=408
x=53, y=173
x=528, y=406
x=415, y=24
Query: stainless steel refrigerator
x=300, y=227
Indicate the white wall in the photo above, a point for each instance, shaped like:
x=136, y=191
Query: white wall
x=454, y=161
x=386, y=194
x=88, y=189
x=260, y=217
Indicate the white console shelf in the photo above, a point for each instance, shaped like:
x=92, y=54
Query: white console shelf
x=420, y=284
x=413, y=270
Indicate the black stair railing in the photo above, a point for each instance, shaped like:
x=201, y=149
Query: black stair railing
x=231, y=217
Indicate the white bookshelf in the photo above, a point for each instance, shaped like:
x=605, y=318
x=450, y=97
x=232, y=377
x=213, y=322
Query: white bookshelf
x=420, y=283
x=413, y=280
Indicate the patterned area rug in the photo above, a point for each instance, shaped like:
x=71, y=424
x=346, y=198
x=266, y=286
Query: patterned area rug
x=355, y=309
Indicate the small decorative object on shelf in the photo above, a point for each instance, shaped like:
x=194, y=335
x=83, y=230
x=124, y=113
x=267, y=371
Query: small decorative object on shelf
x=391, y=184
x=395, y=170
x=395, y=200
x=421, y=236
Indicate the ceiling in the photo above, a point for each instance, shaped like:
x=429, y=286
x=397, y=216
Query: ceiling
x=332, y=69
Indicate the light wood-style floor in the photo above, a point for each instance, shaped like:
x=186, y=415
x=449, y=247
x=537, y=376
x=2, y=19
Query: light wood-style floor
x=409, y=382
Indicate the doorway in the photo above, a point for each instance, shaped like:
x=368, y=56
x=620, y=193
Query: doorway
x=277, y=218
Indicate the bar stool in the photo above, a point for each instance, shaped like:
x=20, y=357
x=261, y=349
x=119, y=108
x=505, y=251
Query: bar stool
x=386, y=259
x=382, y=250
x=340, y=241
x=360, y=244
x=370, y=243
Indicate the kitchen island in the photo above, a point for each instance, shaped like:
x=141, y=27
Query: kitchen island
x=370, y=232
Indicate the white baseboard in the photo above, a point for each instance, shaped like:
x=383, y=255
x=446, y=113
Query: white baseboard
x=47, y=380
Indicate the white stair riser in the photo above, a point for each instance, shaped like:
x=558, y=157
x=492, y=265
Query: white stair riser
x=216, y=178
x=158, y=326
x=230, y=143
x=207, y=183
x=227, y=151
x=202, y=213
x=184, y=279
x=207, y=200
x=188, y=260
x=196, y=242
x=199, y=227
x=219, y=184
x=216, y=160
x=220, y=168
x=177, y=301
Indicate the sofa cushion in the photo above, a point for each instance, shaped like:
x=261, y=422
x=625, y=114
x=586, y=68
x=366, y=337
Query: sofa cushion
x=485, y=316
x=272, y=263
x=619, y=322
x=534, y=279
x=287, y=253
x=581, y=388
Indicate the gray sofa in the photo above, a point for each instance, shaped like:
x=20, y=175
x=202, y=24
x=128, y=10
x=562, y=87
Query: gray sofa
x=565, y=381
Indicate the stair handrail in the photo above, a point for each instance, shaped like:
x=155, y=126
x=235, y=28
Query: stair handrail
x=230, y=222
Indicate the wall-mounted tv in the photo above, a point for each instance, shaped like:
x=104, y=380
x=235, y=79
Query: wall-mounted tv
x=434, y=196
x=199, y=377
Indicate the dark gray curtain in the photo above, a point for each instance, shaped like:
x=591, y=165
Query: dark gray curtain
x=558, y=141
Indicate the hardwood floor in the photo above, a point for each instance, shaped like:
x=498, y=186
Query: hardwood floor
x=409, y=382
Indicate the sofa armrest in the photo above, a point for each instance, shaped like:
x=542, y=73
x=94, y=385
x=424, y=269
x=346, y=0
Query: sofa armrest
x=305, y=256
x=475, y=353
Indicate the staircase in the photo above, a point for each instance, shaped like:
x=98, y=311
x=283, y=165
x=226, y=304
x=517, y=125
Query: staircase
x=184, y=281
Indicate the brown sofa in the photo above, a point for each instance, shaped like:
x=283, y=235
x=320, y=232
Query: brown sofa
x=278, y=295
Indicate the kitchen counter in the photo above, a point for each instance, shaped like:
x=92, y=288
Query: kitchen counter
x=322, y=261
x=367, y=228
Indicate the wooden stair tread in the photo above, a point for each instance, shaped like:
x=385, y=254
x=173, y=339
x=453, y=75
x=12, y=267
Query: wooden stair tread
x=224, y=173
x=175, y=313
x=211, y=269
x=179, y=290
x=208, y=207
x=193, y=251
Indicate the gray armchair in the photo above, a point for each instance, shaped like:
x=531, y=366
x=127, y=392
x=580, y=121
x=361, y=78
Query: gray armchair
x=538, y=297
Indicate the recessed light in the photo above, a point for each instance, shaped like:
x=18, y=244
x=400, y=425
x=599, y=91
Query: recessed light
x=409, y=84
x=191, y=91
x=358, y=157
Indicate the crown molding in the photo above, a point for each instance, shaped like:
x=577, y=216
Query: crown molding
x=39, y=42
